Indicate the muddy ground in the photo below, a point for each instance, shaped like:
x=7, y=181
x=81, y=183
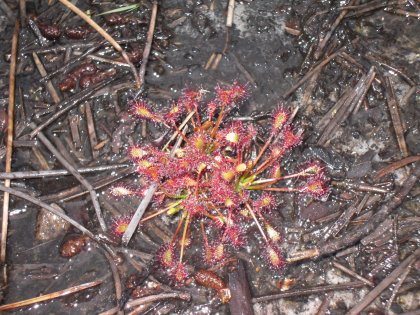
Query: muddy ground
x=354, y=87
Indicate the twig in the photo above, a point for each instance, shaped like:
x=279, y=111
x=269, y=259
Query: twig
x=357, y=234
x=53, y=210
x=105, y=35
x=78, y=191
x=375, y=220
x=393, y=107
x=50, y=296
x=240, y=304
x=48, y=84
x=148, y=46
x=397, y=287
x=74, y=130
x=241, y=68
x=154, y=298
x=311, y=290
x=344, y=106
x=405, y=13
x=323, y=41
x=396, y=165
x=71, y=102
x=7, y=11
x=91, y=130
x=63, y=69
x=76, y=174
x=22, y=12
x=49, y=173
x=9, y=144
x=41, y=39
x=290, y=91
x=372, y=295
x=350, y=272
x=345, y=217
x=230, y=11
x=117, y=279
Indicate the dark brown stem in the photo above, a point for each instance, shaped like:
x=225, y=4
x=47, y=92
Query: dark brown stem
x=9, y=142
x=76, y=174
x=48, y=173
x=71, y=102
x=384, y=284
x=309, y=291
x=149, y=41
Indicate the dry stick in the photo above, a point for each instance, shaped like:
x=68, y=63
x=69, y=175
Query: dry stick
x=7, y=11
x=323, y=41
x=230, y=10
x=117, y=279
x=371, y=8
x=154, y=298
x=49, y=208
x=148, y=46
x=49, y=173
x=397, y=287
x=405, y=13
x=348, y=103
x=345, y=217
x=68, y=104
x=71, y=62
x=91, y=130
x=356, y=235
x=9, y=146
x=77, y=45
x=395, y=116
x=78, y=191
x=290, y=91
x=22, y=11
x=352, y=273
x=41, y=39
x=396, y=165
x=105, y=35
x=76, y=174
x=50, y=296
x=310, y=290
x=49, y=85
x=372, y=295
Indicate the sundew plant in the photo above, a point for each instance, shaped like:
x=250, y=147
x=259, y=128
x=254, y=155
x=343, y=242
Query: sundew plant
x=218, y=179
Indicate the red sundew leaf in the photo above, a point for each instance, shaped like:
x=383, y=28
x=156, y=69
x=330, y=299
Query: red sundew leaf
x=190, y=99
x=235, y=237
x=266, y=201
x=272, y=233
x=214, y=253
x=276, y=171
x=316, y=187
x=212, y=106
x=119, y=225
x=290, y=139
x=280, y=119
x=229, y=96
x=136, y=152
x=233, y=136
x=179, y=273
x=172, y=116
x=194, y=206
x=166, y=255
x=199, y=141
x=122, y=190
x=274, y=257
x=141, y=109
x=312, y=168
